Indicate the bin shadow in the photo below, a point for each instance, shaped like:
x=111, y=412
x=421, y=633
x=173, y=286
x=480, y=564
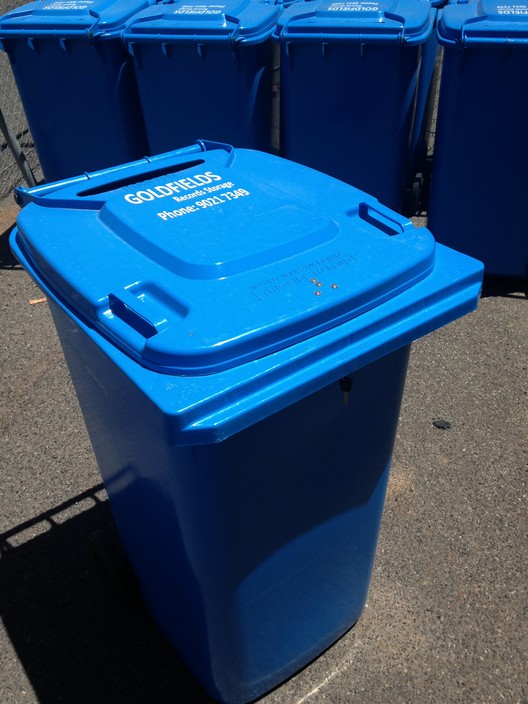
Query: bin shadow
x=75, y=641
x=7, y=258
x=504, y=286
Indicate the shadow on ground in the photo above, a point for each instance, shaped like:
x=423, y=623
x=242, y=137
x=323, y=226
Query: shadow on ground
x=75, y=641
x=7, y=258
x=505, y=286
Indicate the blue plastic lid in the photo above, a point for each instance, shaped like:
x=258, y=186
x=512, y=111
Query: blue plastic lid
x=399, y=21
x=53, y=18
x=247, y=21
x=201, y=259
x=484, y=22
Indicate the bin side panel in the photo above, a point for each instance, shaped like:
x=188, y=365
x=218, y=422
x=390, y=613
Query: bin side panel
x=219, y=92
x=348, y=112
x=81, y=102
x=480, y=180
x=254, y=554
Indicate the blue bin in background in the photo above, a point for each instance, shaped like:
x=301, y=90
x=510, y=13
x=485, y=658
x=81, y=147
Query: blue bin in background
x=237, y=328
x=205, y=69
x=349, y=77
x=76, y=82
x=480, y=166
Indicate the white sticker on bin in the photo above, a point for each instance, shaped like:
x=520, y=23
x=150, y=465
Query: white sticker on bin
x=219, y=198
x=512, y=9
x=354, y=6
x=192, y=194
x=199, y=10
x=67, y=5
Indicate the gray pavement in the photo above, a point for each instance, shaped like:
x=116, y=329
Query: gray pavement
x=446, y=619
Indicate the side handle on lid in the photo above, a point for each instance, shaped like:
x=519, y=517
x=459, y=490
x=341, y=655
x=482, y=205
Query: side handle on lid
x=128, y=325
x=139, y=312
x=384, y=219
x=134, y=320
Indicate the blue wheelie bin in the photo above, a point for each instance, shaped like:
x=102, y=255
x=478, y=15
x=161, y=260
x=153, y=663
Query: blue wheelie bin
x=205, y=69
x=237, y=328
x=480, y=175
x=348, y=85
x=76, y=82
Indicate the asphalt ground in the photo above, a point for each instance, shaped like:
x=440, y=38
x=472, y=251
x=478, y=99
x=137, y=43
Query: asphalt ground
x=446, y=619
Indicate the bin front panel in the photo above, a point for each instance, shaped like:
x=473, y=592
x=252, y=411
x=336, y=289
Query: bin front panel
x=349, y=75
x=254, y=554
x=348, y=113
x=211, y=91
x=81, y=104
x=205, y=70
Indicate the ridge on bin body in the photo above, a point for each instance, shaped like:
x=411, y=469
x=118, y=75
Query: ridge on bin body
x=250, y=263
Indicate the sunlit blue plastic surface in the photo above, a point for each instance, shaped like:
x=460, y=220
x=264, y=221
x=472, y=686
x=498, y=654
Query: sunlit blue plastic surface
x=254, y=554
x=291, y=251
x=248, y=498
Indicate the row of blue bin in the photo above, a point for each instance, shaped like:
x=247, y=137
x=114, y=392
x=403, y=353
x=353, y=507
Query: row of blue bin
x=349, y=78
x=107, y=81
x=237, y=326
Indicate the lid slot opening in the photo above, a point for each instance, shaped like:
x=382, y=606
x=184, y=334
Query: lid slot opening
x=139, y=178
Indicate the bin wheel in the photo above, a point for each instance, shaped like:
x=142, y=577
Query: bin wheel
x=415, y=196
x=115, y=571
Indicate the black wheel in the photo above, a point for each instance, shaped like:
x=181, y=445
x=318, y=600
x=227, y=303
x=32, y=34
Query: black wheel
x=416, y=194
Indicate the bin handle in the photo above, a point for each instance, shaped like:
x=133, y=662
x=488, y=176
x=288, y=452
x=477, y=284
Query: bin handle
x=128, y=326
x=384, y=219
x=75, y=192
